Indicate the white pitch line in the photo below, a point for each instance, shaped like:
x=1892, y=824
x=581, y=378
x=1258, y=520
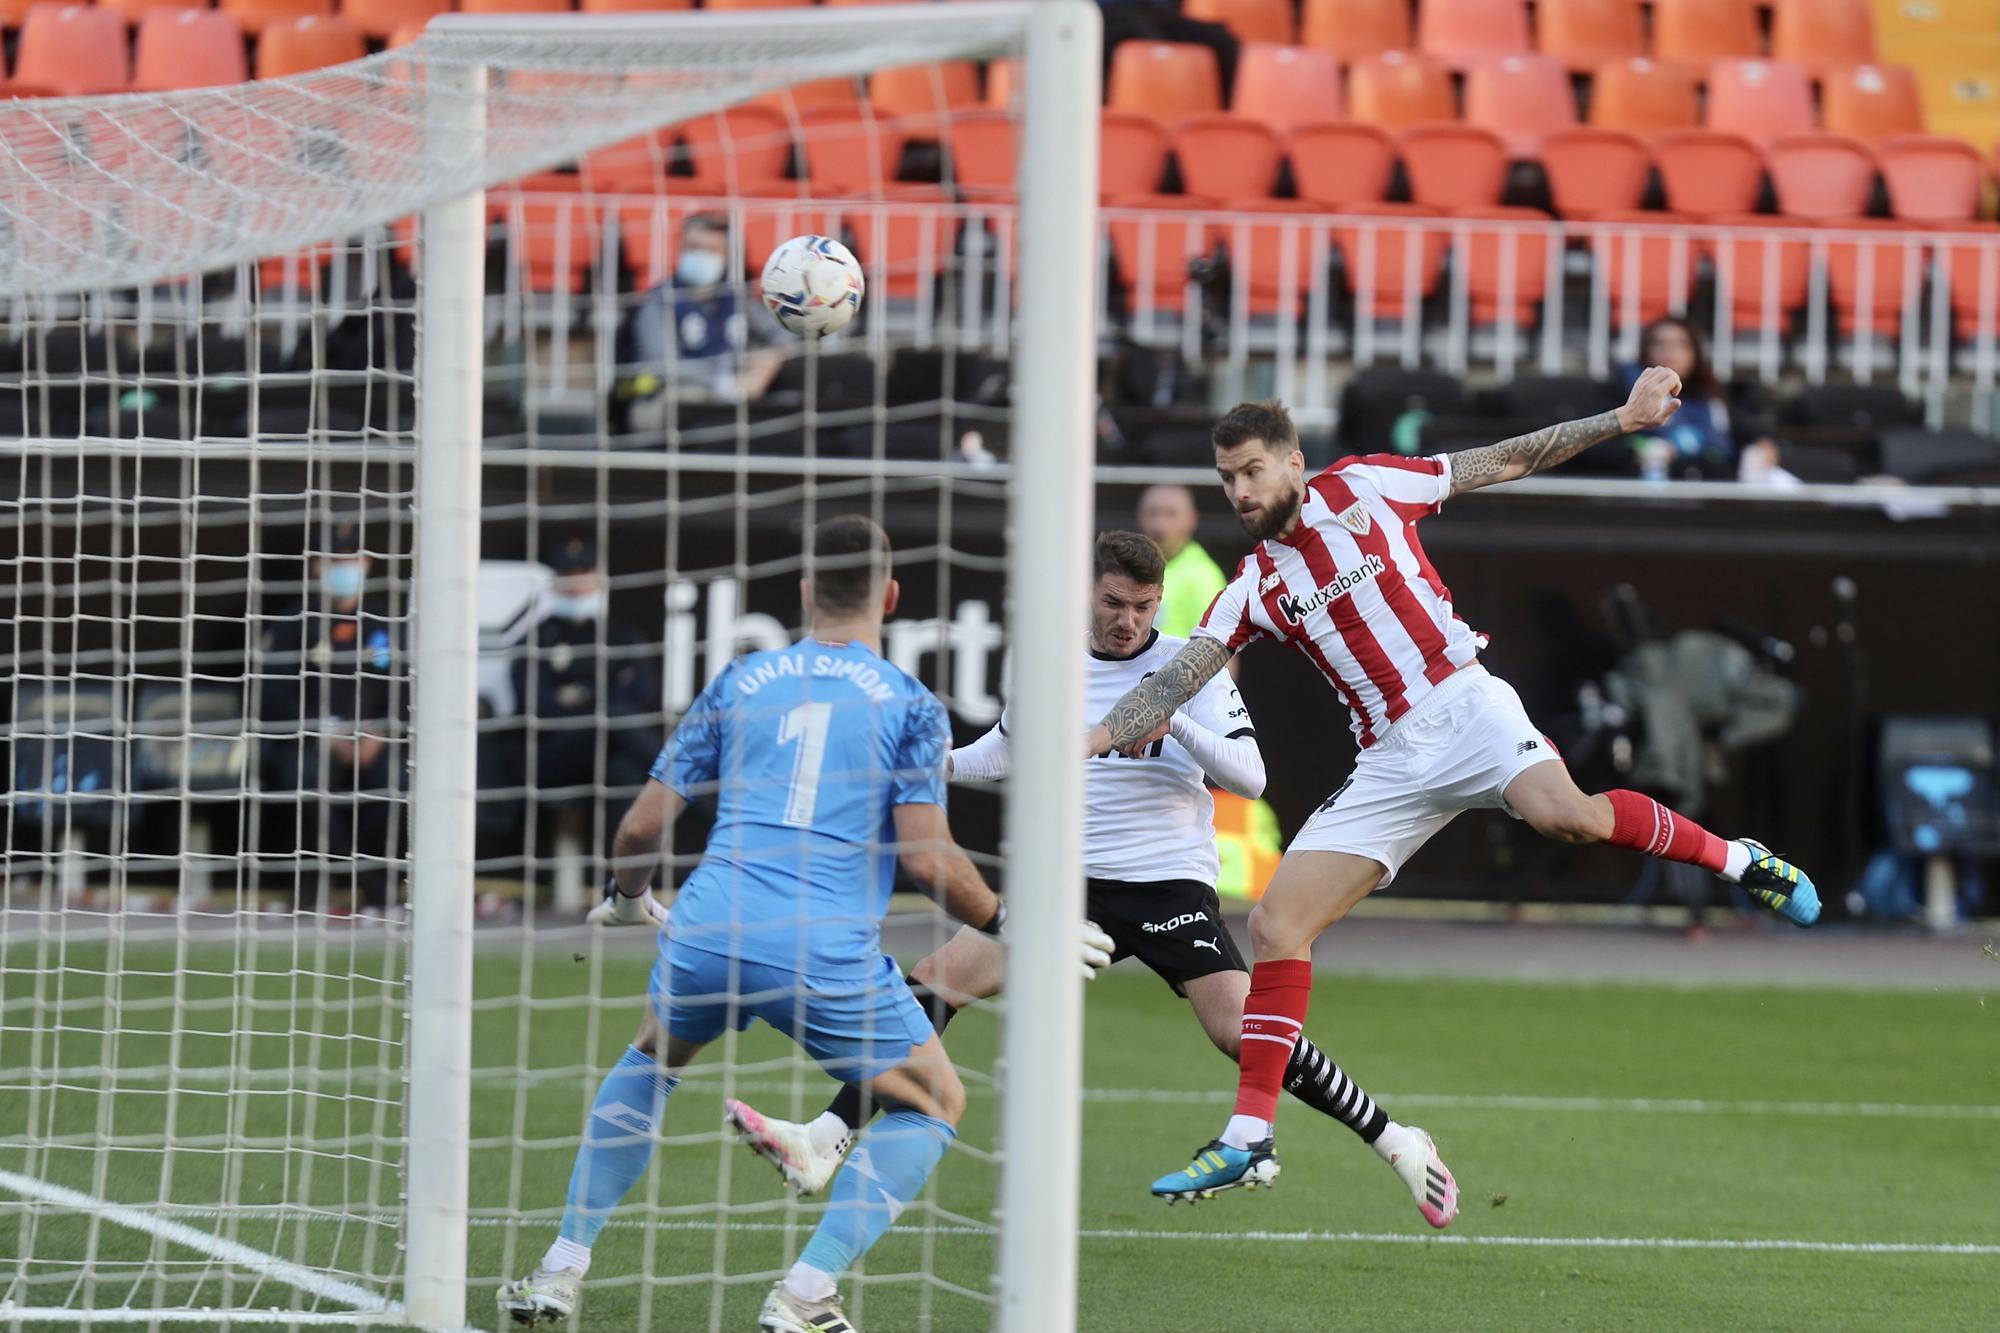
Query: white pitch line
x=1657, y=1105
x=206, y=1318
x=174, y=1233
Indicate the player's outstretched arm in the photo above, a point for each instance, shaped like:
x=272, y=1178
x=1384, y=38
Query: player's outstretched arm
x=1141, y=717
x=635, y=851
x=1654, y=399
x=932, y=857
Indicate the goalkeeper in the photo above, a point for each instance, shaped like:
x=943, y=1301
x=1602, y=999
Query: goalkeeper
x=823, y=759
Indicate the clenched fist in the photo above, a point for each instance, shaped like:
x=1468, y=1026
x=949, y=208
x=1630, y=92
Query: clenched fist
x=1654, y=400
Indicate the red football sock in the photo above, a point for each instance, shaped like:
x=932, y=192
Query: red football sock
x=1644, y=825
x=1273, y=1016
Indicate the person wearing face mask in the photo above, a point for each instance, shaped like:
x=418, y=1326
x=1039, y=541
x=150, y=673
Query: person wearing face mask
x=697, y=335
x=586, y=674
x=332, y=704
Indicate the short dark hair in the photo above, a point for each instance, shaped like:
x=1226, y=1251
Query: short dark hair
x=1267, y=421
x=849, y=561
x=1131, y=555
x=706, y=221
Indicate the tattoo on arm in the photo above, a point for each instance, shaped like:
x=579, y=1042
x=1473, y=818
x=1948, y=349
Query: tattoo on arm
x=1525, y=455
x=1153, y=700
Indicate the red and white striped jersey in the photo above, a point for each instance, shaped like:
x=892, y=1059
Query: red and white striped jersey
x=1352, y=589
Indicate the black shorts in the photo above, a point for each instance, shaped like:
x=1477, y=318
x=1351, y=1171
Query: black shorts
x=1173, y=926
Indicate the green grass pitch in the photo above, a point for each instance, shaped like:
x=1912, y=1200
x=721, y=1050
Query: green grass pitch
x=1631, y=1156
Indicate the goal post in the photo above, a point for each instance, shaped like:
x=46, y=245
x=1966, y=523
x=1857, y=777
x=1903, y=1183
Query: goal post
x=334, y=1182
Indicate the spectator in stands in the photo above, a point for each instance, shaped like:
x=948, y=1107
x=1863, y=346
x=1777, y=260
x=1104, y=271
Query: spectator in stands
x=1167, y=515
x=1703, y=441
x=332, y=708
x=585, y=675
x=695, y=334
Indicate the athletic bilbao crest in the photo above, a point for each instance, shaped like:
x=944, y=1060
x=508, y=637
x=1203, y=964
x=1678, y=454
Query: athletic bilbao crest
x=1355, y=518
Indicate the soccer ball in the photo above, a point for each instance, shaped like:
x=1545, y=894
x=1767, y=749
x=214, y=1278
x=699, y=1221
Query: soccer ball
x=813, y=285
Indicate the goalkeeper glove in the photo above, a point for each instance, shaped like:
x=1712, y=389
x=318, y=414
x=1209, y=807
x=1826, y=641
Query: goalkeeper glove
x=623, y=909
x=1096, y=946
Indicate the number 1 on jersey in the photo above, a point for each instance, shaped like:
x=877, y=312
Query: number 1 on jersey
x=807, y=724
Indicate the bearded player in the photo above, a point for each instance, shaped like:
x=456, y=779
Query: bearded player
x=1149, y=854
x=1339, y=575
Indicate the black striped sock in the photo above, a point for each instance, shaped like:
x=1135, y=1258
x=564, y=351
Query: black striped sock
x=1316, y=1080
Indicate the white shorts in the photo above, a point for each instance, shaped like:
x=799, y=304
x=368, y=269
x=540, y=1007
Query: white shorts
x=1456, y=750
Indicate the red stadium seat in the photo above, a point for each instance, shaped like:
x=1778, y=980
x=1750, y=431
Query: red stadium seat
x=733, y=150
x=903, y=244
x=1931, y=178
x=632, y=6
x=1584, y=34
x=1131, y=153
x=1763, y=268
x=1706, y=174
x=1227, y=157
x=1164, y=80
x=924, y=95
x=1154, y=247
x=187, y=48
x=1454, y=166
x=1649, y=267
x=800, y=98
x=649, y=237
x=1696, y=33
x=983, y=154
x=1338, y=164
x=1873, y=271
x=1594, y=171
x=1356, y=29
x=1761, y=100
x=1821, y=176
x=636, y=166
x=1248, y=20
x=1506, y=266
x=552, y=239
x=1271, y=253
x=1522, y=99
x=295, y=46
x=70, y=51
x=257, y=15
x=380, y=18
x=1872, y=102
x=514, y=6
x=1643, y=97
x=1464, y=33
x=132, y=11
x=851, y=149
x=1000, y=81
x=406, y=33
x=771, y=213
x=1284, y=86
x=1972, y=269
x=1824, y=35
x=1399, y=89
x=1392, y=261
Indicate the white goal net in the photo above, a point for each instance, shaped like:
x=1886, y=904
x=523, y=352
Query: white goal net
x=383, y=472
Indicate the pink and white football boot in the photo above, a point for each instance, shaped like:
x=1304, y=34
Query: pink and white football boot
x=1415, y=1158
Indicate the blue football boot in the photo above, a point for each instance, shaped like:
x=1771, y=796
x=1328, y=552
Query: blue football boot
x=1220, y=1167
x=1780, y=885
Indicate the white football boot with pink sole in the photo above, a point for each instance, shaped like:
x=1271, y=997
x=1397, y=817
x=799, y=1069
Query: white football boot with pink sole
x=1415, y=1158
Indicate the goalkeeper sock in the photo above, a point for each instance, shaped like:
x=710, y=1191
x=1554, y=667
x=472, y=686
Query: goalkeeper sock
x=886, y=1170
x=848, y=1105
x=1316, y=1080
x=1644, y=825
x=1273, y=1015
x=617, y=1144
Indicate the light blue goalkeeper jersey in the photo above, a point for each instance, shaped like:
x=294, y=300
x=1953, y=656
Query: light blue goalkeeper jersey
x=806, y=752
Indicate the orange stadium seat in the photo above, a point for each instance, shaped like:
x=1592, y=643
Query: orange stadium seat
x=1271, y=253
x=1249, y=20
x=1341, y=163
x=1821, y=176
x=1595, y=171
x=257, y=15
x=1454, y=166
x=632, y=6
x=736, y=149
x=750, y=4
x=1972, y=268
x=903, y=245
x=1872, y=102
x=13, y=13
x=773, y=212
x=1522, y=99
x=634, y=166
x=406, y=33
x=1228, y=157
x=925, y=94
x=1931, y=178
x=1762, y=267
x=1392, y=262
x=132, y=11
x=1706, y=173
x=1158, y=277
x=314, y=42
x=1584, y=34
x=1824, y=35
x=649, y=237
x=187, y=48
x=1131, y=153
x=71, y=51
x=1761, y=100
x=1000, y=81
x=1495, y=256
x=851, y=149
x=379, y=18
x=1462, y=33
x=1881, y=271
x=1400, y=88
x=552, y=238
x=983, y=154
x=514, y=6
x=1164, y=80
x=1696, y=33
x=1649, y=269
x=1355, y=29
x=1643, y=97
x=1285, y=86
x=800, y=98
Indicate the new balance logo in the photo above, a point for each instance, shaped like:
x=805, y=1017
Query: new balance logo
x=1526, y=746
x=1355, y=518
x=1184, y=919
x=1271, y=580
x=1209, y=944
